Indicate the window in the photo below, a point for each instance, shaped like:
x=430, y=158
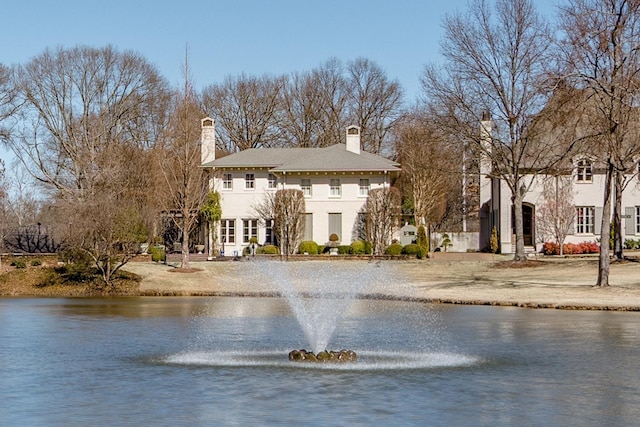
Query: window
x=270, y=237
x=227, y=181
x=585, y=220
x=335, y=190
x=308, y=226
x=249, y=229
x=228, y=230
x=305, y=186
x=272, y=182
x=637, y=219
x=364, y=188
x=584, y=171
x=249, y=181
x=335, y=224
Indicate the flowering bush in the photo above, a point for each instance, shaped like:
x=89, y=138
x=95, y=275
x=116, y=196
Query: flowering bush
x=551, y=248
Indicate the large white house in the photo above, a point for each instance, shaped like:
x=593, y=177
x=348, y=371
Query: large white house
x=586, y=193
x=335, y=181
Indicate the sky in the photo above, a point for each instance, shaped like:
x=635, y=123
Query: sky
x=227, y=38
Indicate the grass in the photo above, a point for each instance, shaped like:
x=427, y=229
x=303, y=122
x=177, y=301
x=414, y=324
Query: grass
x=54, y=281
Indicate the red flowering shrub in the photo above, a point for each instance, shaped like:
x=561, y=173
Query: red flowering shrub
x=551, y=248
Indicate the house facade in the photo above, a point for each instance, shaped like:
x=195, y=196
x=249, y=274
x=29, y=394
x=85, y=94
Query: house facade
x=335, y=181
x=581, y=185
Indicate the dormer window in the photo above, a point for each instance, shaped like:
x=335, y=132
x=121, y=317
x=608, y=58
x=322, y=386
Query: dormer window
x=584, y=172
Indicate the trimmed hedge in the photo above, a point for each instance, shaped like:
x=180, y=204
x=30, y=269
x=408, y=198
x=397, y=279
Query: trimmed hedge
x=414, y=249
x=358, y=247
x=394, y=249
x=308, y=246
x=268, y=250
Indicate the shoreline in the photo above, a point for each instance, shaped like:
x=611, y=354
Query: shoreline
x=547, y=283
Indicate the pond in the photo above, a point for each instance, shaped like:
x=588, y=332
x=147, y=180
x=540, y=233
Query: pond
x=223, y=361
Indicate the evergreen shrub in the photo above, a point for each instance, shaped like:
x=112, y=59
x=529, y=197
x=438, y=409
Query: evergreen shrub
x=415, y=250
x=268, y=250
x=157, y=253
x=358, y=247
x=18, y=263
x=308, y=246
x=394, y=249
x=344, y=249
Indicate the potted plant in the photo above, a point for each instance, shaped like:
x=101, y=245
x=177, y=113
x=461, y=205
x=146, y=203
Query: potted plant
x=334, y=242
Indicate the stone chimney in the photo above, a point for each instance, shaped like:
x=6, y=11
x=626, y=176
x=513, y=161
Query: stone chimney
x=353, y=139
x=207, y=140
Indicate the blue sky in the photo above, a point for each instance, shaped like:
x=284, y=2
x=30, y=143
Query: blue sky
x=238, y=36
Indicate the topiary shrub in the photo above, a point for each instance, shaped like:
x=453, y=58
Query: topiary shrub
x=308, y=246
x=368, y=249
x=268, y=250
x=358, y=247
x=334, y=237
x=414, y=249
x=394, y=249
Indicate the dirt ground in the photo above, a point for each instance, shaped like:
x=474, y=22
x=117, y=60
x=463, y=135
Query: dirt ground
x=489, y=280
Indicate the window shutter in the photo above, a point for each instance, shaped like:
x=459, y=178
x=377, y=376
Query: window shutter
x=629, y=220
x=598, y=220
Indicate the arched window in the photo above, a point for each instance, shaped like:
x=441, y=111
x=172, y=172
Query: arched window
x=584, y=171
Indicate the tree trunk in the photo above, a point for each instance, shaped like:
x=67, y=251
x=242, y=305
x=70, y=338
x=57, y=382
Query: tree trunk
x=185, y=243
x=604, y=263
x=519, y=228
x=617, y=217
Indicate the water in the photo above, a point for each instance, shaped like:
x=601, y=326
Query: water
x=222, y=361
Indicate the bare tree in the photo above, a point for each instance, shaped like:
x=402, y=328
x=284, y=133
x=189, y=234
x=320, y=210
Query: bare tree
x=3, y=210
x=91, y=115
x=186, y=184
x=329, y=77
x=557, y=211
x=305, y=112
x=383, y=214
x=288, y=216
x=78, y=104
x=375, y=103
x=497, y=63
x=431, y=166
x=600, y=54
x=108, y=226
x=8, y=98
x=246, y=111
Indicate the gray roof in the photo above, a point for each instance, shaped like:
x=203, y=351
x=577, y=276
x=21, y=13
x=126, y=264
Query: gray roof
x=332, y=158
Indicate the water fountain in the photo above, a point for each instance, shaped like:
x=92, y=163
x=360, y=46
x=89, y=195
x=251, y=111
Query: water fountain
x=324, y=315
x=319, y=295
